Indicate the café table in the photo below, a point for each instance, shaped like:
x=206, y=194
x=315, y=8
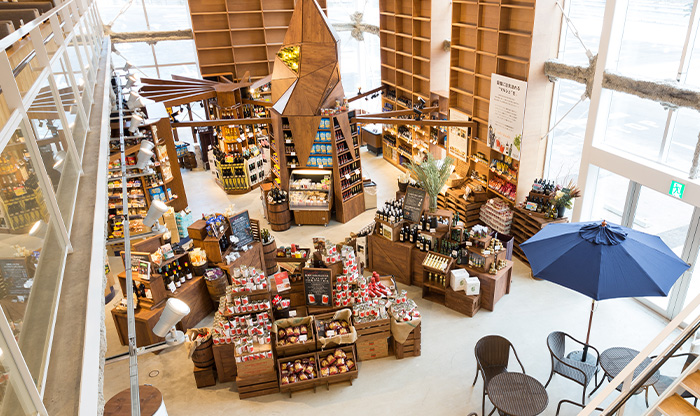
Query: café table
x=517, y=394
x=614, y=360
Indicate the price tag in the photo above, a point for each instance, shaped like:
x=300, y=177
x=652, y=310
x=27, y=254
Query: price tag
x=347, y=176
x=293, y=154
x=303, y=337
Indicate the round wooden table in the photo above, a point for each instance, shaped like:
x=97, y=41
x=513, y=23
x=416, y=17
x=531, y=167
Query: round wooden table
x=151, y=403
x=517, y=394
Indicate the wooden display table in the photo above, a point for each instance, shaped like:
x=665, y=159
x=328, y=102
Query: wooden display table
x=394, y=258
x=253, y=257
x=193, y=292
x=371, y=135
x=525, y=225
x=145, y=320
x=492, y=286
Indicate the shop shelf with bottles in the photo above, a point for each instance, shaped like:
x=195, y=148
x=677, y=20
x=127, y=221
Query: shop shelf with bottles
x=436, y=276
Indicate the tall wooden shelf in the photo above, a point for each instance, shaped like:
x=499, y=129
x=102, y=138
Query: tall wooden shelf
x=413, y=64
x=233, y=37
x=500, y=36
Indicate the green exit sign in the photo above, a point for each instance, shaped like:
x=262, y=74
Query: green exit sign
x=677, y=189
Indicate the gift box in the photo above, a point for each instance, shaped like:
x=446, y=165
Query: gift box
x=458, y=279
x=473, y=286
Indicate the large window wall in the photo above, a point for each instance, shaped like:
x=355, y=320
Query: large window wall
x=623, y=149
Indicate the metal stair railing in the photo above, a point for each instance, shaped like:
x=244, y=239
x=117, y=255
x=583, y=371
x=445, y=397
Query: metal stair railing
x=630, y=385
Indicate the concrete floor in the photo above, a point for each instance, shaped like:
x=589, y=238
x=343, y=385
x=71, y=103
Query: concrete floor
x=436, y=383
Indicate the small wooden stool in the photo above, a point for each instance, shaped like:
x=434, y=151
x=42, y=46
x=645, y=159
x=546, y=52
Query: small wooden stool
x=151, y=403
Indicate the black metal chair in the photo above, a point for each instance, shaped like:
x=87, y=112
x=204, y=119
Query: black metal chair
x=665, y=381
x=575, y=370
x=492, y=356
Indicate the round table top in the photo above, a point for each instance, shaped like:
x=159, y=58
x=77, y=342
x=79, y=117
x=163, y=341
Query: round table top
x=614, y=360
x=150, y=397
x=517, y=394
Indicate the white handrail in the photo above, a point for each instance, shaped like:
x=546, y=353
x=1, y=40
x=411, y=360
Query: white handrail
x=626, y=375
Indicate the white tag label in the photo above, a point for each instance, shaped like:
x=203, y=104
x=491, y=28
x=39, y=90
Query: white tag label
x=293, y=153
x=330, y=333
x=292, y=314
x=347, y=176
x=302, y=337
x=171, y=286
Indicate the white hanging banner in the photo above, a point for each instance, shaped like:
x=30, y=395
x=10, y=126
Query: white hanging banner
x=458, y=137
x=506, y=114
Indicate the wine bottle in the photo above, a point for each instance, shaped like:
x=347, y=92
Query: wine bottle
x=181, y=274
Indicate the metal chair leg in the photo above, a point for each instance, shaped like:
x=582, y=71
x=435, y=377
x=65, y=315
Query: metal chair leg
x=550, y=379
x=483, y=402
x=476, y=376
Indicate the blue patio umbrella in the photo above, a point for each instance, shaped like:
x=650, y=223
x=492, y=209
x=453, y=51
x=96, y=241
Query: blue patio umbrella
x=603, y=261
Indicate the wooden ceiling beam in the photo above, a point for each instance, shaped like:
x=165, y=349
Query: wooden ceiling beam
x=222, y=122
x=423, y=123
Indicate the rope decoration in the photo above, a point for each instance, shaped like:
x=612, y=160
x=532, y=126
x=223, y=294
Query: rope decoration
x=356, y=27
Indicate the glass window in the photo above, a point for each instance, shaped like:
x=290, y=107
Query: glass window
x=175, y=52
x=653, y=38
x=162, y=15
x=564, y=159
x=635, y=126
x=693, y=77
x=609, y=197
x=31, y=255
x=13, y=396
x=683, y=139
x=139, y=54
x=667, y=217
x=49, y=132
x=587, y=17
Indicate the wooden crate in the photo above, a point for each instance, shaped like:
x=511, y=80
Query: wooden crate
x=255, y=368
x=294, y=349
x=372, y=347
x=372, y=329
x=338, y=378
x=460, y=302
x=225, y=362
x=410, y=348
x=390, y=258
x=388, y=230
x=205, y=377
x=260, y=385
x=299, y=385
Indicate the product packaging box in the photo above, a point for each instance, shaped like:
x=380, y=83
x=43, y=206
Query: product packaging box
x=473, y=286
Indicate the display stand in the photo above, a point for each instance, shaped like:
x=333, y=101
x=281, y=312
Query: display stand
x=311, y=203
x=436, y=281
x=525, y=225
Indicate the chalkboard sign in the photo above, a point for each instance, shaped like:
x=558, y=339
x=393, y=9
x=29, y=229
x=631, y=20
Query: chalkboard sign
x=413, y=203
x=318, y=286
x=240, y=227
x=14, y=275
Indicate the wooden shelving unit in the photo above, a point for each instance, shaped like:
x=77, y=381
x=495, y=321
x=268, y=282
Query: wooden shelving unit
x=413, y=65
x=309, y=130
x=233, y=37
x=498, y=36
x=143, y=190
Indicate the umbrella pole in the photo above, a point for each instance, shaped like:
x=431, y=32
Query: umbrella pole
x=588, y=334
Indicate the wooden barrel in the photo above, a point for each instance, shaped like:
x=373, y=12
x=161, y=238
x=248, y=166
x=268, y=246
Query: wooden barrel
x=270, y=254
x=279, y=216
x=203, y=356
x=217, y=288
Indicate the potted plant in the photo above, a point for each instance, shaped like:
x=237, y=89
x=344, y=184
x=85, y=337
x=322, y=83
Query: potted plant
x=563, y=198
x=432, y=174
x=404, y=179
